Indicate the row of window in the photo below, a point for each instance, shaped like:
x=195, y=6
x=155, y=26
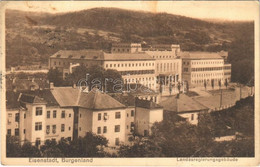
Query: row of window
x=139, y=72
x=54, y=114
x=99, y=129
x=159, y=57
x=207, y=75
x=167, y=67
x=48, y=128
x=201, y=81
x=16, y=132
x=207, y=69
x=204, y=62
x=129, y=65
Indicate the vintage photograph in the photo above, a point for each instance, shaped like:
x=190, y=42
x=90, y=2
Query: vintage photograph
x=152, y=79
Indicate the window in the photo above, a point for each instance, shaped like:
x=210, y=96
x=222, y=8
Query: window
x=104, y=129
x=132, y=126
x=63, y=114
x=127, y=115
x=54, y=114
x=99, y=116
x=117, y=128
x=38, y=126
x=118, y=115
x=69, y=128
x=69, y=115
x=48, y=129
x=38, y=111
x=9, y=131
x=62, y=129
x=192, y=116
x=132, y=113
x=117, y=142
x=24, y=116
x=53, y=129
x=38, y=142
x=145, y=132
x=48, y=114
x=98, y=130
x=69, y=138
x=17, y=117
x=105, y=116
x=16, y=132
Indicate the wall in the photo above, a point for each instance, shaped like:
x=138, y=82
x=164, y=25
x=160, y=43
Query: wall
x=85, y=121
x=142, y=120
x=188, y=117
x=68, y=121
x=111, y=135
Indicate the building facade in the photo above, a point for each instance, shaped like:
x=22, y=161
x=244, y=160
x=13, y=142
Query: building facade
x=204, y=68
x=68, y=113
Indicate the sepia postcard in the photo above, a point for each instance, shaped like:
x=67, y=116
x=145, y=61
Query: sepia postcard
x=129, y=83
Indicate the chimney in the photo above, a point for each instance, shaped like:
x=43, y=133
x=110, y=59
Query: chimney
x=14, y=89
x=51, y=85
x=14, y=80
x=74, y=85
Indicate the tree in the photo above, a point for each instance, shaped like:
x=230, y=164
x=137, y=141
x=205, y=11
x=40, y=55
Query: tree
x=28, y=150
x=96, y=76
x=89, y=146
x=51, y=149
x=13, y=148
x=55, y=76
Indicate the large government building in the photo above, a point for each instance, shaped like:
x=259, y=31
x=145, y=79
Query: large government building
x=151, y=66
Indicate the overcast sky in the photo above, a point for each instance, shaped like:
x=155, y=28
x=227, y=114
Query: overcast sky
x=227, y=10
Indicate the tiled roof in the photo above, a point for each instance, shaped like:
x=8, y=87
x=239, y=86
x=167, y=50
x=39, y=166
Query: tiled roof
x=97, y=100
x=127, y=56
x=66, y=96
x=25, y=84
x=80, y=54
x=147, y=104
x=12, y=100
x=199, y=55
x=44, y=94
x=100, y=55
x=124, y=98
x=69, y=97
x=184, y=104
x=138, y=89
x=27, y=98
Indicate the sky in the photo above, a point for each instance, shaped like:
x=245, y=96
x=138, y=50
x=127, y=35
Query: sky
x=224, y=10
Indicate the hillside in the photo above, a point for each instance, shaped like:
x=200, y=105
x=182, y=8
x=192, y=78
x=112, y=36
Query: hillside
x=32, y=37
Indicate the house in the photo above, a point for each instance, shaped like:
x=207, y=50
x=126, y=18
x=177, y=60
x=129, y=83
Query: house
x=184, y=106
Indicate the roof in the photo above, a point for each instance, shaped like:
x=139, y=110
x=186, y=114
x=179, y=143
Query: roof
x=127, y=56
x=73, y=97
x=184, y=104
x=25, y=84
x=139, y=89
x=79, y=54
x=12, y=100
x=147, y=104
x=200, y=55
x=66, y=96
x=27, y=98
x=124, y=98
x=45, y=94
x=97, y=100
x=100, y=55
